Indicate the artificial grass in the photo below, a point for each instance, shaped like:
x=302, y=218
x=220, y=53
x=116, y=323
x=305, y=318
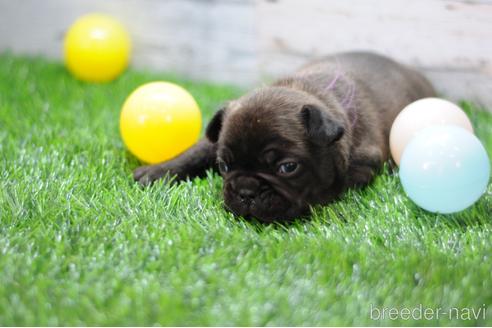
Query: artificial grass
x=82, y=244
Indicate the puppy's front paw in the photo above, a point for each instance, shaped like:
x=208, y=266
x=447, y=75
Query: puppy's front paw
x=360, y=176
x=146, y=175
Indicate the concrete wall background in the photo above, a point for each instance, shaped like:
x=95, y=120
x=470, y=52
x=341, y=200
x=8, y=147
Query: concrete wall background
x=248, y=41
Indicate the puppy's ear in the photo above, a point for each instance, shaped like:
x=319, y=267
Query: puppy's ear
x=215, y=125
x=319, y=126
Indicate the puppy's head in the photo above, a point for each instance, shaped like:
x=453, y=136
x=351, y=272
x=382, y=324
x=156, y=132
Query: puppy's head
x=279, y=151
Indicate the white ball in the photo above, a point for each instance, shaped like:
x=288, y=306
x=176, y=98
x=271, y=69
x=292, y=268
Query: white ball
x=421, y=114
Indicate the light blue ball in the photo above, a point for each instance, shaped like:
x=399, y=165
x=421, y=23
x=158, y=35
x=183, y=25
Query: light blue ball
x=444, y=169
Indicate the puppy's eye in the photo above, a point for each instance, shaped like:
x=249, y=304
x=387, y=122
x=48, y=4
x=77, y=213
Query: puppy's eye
x=288, y=168
x=223, y=167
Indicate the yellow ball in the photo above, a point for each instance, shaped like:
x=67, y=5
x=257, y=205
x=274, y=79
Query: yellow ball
x=159, y=120
x=97, y=48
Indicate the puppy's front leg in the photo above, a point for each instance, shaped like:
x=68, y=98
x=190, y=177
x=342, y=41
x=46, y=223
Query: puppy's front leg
x=194, y=162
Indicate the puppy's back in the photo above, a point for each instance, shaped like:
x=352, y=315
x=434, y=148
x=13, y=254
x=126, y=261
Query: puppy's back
x=391, y=85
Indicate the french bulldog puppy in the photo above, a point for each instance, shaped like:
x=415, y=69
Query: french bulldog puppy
x=304, y=139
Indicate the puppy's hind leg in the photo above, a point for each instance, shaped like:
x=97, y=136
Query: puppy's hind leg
x=194, y=162
x=364, y=164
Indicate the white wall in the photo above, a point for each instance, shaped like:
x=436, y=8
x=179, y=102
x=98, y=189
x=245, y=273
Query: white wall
x=246, y=41
x=213, y=40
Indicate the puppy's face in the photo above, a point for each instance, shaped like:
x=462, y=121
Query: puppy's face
x=278, y=152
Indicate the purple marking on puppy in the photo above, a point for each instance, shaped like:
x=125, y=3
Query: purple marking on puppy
x=347, y=104
x=348, y=99
x=334, y=81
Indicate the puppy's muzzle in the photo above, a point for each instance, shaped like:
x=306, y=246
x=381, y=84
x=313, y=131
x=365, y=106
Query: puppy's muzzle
x=246, y=188
x=246, y=196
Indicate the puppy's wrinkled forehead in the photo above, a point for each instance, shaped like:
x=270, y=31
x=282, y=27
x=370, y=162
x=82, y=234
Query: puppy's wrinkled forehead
x=263, y=118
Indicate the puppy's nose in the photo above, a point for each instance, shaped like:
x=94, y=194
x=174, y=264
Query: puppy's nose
x=246, y=189
x=246, y=194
